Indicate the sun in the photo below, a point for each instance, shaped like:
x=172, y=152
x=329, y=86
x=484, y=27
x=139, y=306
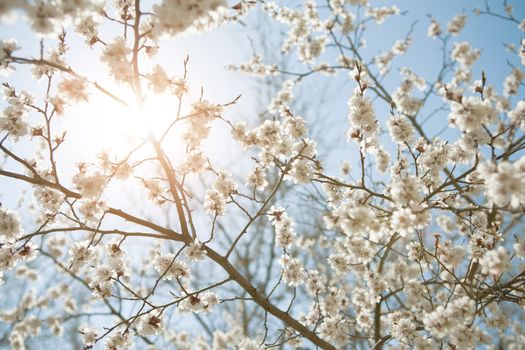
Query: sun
x=119, y=128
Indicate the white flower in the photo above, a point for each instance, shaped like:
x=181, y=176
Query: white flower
x=102, y=290
x=401, y=130
x=10, y=226
x=521, y=25
x=155, y=190
x=522, y=48
x=404, y=221
x=194, y=163
x=451, y=255
x=456, y=24
x=315, y=282
x=80, y=254
x=195, y=251
x=91, y=209
x=239, y=132
x=405, y=190
x=363, y=122
x=301, y=171
x=282, y=97
x=119, y=341
x=402, y=328
x=296, y=127
x=504, y=182
x=464, y=54
x=28, y=252
x=435, y=156
x=202, y=113
x=362, y=118
x=472, y=113
x=360, y=251
x=49, y=199
x=495, y=262
x=257, y=179
x=199, y=302
x=7, y=257
x=89, y=336
x=519, y=248
x=89, y=185
x=55, y=243
x=115, y=56
x=283, y=224
x=249, y=344
x=103, y=273
x=340, y=263
x=215, y=202
x=88, y=27
x=434, y=29
x=44, y=17
x=150, y=325
x=16, y=339
x=225, y=184
x=512, y=83
x=405, y=103
x=382, y=159
x=55, y=325
x=292, y=270
x=355, y=220
x=335, y=329
x=12, y=119
x=74, y=89
x=158, y=79
x=7, y=47
x=517, y=115
x=380, y=14
x=174, y=17
x=170, y=268
x=450, y=320
x=255, y=66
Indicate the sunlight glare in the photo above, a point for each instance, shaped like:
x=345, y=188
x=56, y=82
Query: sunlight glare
x=120, y=128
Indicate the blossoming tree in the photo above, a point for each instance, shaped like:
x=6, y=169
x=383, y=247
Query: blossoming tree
x=417, y=242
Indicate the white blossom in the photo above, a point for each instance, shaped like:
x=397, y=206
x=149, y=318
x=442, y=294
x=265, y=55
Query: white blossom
x=12, y=118
x=451, y=319
x=471, y=114
x=456, y=24
x=284, y=227
x=199, y=302
x=119, y=341
x=74, y=89
x=517, y=115
x=10, y=225
x=195, y=251
x=90, y=185
x=80, y=253
x=434, y=29
x=363, y=123
x=292, y=270
x=169, y=267
x=401, y=130
x=150, y=324
x=174, y=17
x=465, y=54
x=495, y=261
x=504, y=182
x=89, y=336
